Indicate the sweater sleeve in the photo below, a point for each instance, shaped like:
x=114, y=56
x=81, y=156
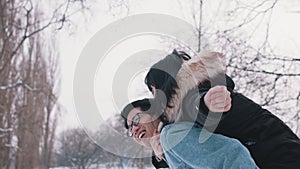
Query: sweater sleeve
x=185, y=147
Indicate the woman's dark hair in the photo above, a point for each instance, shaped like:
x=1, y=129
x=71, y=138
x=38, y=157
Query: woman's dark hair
x=163, y=81
x=162, y=76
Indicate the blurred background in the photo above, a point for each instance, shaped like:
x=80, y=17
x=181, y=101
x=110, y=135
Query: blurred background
x=40, y=42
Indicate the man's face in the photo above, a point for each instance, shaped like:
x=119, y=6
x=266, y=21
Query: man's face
x=145, y=126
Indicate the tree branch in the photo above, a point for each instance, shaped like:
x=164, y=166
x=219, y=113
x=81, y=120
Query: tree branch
x=249, y=19
x=17, y=84
x=6, y=130
x=264, y=71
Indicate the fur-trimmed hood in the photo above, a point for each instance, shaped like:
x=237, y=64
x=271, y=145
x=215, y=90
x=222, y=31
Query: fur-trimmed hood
x=208, y=65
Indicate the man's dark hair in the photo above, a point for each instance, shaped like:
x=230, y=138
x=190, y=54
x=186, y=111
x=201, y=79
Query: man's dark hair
x=148, y=106
x=143, y=104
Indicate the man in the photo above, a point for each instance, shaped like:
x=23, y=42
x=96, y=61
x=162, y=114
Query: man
x=178, y=143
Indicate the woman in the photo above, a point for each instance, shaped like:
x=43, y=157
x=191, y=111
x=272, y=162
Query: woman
x=271, y=143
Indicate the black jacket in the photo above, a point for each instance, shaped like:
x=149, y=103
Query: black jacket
x=159, y=164
x=270, y=141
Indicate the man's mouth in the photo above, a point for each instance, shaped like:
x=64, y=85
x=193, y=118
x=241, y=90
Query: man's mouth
x=141, y=134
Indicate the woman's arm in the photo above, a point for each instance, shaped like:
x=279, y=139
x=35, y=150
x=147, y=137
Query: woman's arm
x=194, y=107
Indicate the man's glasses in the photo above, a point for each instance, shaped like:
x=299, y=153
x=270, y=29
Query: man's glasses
x=134, y=122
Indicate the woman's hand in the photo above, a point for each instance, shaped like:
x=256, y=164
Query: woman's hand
x=155, y=144
x=218, y=99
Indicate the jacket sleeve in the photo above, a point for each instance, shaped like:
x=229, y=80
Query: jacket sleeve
x=194, y=108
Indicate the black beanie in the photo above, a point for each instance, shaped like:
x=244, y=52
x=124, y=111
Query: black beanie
x=170, y=64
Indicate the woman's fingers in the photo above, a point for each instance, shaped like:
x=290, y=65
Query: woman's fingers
x=218, y=99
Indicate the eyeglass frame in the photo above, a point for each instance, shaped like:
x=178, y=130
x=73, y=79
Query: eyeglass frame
x=135, y=122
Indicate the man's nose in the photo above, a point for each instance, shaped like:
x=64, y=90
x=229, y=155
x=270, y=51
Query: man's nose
x=135, y=129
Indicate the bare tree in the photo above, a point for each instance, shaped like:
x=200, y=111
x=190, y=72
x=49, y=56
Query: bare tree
x=107, y=134
x=77, y=149
x=241, y=30
x=29, y=81
x=118, y=7
x=36, y=105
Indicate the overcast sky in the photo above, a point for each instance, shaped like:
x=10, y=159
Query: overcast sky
x=285, y=28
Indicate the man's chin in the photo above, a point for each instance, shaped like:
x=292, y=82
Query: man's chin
x=146, y=145
x=145, y=142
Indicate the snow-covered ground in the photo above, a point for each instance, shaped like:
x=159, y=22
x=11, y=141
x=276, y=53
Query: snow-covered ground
x=102, y=166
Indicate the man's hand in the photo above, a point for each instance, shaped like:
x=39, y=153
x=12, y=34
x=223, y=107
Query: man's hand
x=218, y=99
x=155, y=144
